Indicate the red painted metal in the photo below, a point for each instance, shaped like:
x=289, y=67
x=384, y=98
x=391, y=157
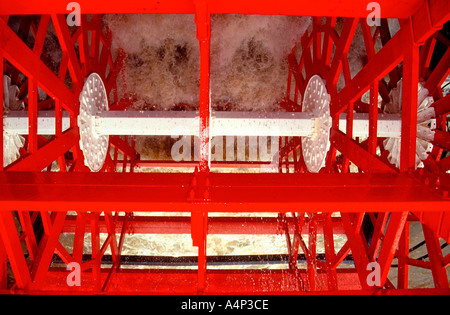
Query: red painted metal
x=326, y=204
x=285, y=7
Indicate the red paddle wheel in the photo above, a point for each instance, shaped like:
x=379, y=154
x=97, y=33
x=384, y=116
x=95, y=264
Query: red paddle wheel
x=362, y=156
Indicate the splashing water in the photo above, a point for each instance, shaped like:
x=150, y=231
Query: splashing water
x=248, y=59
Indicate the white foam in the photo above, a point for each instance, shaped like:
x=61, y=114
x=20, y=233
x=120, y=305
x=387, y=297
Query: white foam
x=248, y=58
x=162, y=61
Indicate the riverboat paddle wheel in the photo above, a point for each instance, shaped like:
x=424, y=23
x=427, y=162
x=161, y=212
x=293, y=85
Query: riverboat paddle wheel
x=362, y=157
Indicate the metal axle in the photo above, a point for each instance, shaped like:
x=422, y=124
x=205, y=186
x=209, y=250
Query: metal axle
x=170, y=123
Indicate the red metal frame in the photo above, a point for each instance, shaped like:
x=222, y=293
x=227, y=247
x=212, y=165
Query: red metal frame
x=391, y=198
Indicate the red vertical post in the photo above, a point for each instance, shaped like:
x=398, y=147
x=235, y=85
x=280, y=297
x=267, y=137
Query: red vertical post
x=293, y=252
x=1, y=111
x=409, y=106
x=3, y=255
x=58, y=132
x=349, y=132
x=373, y=118
x=3, y=266
x=312, y=263
x=83, y=43
x=328, y=41
x=435, y=254
x=330, y=254
x=95, y=249
x=373, y=106
x=402, y=254
x=199, y=219
x=95, y=40
x=78, y=241
x=199, y=222
x=203, y=21
x=32, y=115
x=317, y=39
x=111, y=228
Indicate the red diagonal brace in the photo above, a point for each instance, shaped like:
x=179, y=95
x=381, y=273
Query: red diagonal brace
x=48, y=153
x=342, y=48
x=3, y=266
x=13, y=248
x=46, y=249
x=329, y=251
x=352, y=225
x=31, y=65
x=123, y=147
x=363, y=159
x=27, y=228
x=62, y=30
x=436, y=259
x=390, y=243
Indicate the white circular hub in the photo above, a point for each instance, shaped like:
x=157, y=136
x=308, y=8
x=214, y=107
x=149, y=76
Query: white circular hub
x=93, y=100
x=317, y=102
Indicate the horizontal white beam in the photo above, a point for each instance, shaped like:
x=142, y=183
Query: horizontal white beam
x=388, y=126
x=262, y=124
x=148, y=123
x=151, y=123
x=16, y=122
x=182, y=123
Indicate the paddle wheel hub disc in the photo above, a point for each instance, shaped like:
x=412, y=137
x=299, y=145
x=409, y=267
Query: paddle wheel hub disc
x=93, y=100
x=317, y=102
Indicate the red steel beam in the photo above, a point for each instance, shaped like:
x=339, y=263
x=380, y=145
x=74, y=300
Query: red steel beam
x=352, y=224
x=423, y=23
x=123, y=147
x=330, y=254
x=65, y=40
x=13, y=248
x=180, y=281
x=358, y=155
x=84, y=48
x=216, y=225
x=228, y=192
x=203, y=21
x=78, y=242
x=47, y=154
x=46, y=249
x=409, y=108
x=1, y=111
x=390, y=243
x=342, y=8
x=436, y=258
x=32, y=115
x=402, y=254
x=342, y=48
x=439, y=73
x=214, y=164
x=28, y=233
x=442, y=106
x=31, y=65
x=3, y=266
